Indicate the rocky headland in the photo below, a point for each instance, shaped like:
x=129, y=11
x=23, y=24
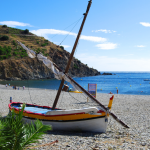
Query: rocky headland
x=16, y=65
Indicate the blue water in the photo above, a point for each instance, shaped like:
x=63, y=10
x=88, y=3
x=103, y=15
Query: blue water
x=126, y=83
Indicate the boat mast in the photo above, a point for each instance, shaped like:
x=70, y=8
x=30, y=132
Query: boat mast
x=93, y=98
x=71, y=55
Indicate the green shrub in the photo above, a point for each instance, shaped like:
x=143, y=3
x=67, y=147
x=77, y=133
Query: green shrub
x=2, y=51
x=5, y=57
x=75, y=66
x=78, y=61
x=15, y=53
x=1, y=57
x=14, y=43
x=26, y=31
x=4, y=26
x=37, y=42
x=4, y=38
x=44, y=44
x=16, y=135
x=38, y=50
x=43, y=51
x=9, y=55
x=62, y=47
x=46, y=55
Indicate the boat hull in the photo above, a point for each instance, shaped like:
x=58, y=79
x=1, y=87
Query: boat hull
x=88, y=125
x=91, y=119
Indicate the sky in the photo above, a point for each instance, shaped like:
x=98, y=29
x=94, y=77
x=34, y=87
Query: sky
x=115, y=37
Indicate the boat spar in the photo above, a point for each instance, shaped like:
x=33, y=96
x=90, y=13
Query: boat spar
x=91, y=119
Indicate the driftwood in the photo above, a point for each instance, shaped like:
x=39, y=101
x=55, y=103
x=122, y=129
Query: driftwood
x=43, y=145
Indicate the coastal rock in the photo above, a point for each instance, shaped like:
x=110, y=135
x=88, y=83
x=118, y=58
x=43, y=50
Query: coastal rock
x=107, y=73
x=16, y=64
x=27, y=68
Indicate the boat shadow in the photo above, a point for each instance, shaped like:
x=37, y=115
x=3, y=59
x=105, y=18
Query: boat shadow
x=74, y=133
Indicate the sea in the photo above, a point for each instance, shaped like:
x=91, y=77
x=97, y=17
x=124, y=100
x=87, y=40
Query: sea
x=131, y=83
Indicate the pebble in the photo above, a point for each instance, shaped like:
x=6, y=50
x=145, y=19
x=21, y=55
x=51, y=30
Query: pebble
x=134, y=110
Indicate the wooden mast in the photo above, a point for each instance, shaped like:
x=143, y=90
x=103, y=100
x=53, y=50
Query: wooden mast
x=71, y=55
x=94, y=99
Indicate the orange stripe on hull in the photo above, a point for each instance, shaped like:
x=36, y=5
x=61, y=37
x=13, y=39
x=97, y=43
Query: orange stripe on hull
x=61, y=117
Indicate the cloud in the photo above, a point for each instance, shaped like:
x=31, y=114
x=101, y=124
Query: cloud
x=46, y=32
x=93, y=38
x=146, y=24
x=140, y=46
x=107, y=46
x=105, y=63
x=104, y=30
x=15, y=23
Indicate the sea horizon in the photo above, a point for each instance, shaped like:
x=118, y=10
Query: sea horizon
x=131, y=83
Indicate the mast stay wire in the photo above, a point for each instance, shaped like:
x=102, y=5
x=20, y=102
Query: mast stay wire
x=67, y=35
x=68, y=27
x=70, y=31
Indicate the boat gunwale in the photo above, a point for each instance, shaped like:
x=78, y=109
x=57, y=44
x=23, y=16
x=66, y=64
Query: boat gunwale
x=40, y=114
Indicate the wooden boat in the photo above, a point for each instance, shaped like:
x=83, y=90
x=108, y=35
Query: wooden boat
x=91, y=119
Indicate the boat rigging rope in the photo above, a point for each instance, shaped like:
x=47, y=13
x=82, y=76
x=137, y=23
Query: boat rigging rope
x=28, y=87
x=70, y=30
x=28, y=84
x=67, y=35
x=68, y=26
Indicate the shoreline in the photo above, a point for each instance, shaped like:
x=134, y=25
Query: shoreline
x=134, y=110
x=3, y=86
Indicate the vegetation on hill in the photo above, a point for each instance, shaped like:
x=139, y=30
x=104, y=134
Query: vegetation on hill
x=10, y=49
x=15, y=64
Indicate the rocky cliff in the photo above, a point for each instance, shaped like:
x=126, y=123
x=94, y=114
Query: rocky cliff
x=27, y=68
x=16, y=65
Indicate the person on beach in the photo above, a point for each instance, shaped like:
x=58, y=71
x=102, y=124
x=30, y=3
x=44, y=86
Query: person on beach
x=6, y=85
x=117, y=91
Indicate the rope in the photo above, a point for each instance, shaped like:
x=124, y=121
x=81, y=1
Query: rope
x=69, y=32
x=68, y=27
x=29, y=92
x=28, y=86
x=66, y=36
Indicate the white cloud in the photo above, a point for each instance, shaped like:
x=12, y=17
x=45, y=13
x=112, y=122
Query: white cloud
x=14, y=23
x=65, y=46
x=104, y=30
x=146, y=24
x=107, y=46
x=105, y=63
x=140, y=46
x=46, y=32
x=93, y=38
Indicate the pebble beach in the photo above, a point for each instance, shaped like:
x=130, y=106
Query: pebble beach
x=134, y=110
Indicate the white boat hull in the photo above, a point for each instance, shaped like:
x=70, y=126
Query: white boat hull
x=92, y=125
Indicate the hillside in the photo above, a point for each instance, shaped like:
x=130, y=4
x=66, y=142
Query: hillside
x=16, y=65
